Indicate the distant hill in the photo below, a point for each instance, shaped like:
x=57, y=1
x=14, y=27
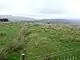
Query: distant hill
x=54, y=21
x=74, y=21
x=43, y=21
x=16, y=18
x=60, y=21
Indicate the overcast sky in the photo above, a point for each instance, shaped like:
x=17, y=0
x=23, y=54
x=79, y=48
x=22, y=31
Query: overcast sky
x=41, y=8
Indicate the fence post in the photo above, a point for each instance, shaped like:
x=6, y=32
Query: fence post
x=64, y=58
x=70, y=58
x=22, y=57
x=73, y=58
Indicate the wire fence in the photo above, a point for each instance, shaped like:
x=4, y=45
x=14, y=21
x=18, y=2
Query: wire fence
x=59, y=56
x=54, y=58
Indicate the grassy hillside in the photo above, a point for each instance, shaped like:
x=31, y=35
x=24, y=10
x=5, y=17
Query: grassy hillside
x=8, y=35
x=52, y=40
x=42, y=40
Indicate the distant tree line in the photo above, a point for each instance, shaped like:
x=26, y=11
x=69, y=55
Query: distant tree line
x=4, y=20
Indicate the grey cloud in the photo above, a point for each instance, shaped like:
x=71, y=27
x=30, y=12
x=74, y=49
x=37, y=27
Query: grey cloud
x=52, y=11
x=53, y=7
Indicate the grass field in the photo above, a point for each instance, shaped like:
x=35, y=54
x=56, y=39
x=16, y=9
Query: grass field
x=8, y=33
x=41, y=40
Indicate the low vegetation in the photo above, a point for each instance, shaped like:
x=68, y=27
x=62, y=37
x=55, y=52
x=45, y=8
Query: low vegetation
x=39, y=42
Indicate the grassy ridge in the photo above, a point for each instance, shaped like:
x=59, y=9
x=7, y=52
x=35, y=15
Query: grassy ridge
x=52, y=40
x=8, y=32
x=44, y=40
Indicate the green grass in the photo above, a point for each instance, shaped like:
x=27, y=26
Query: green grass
x=43, y=40
x=8, y=32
